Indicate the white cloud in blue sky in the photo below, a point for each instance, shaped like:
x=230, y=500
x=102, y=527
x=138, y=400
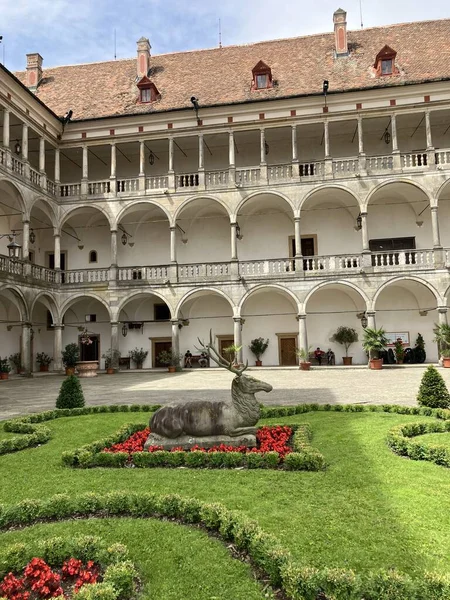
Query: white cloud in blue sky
x=77, y=31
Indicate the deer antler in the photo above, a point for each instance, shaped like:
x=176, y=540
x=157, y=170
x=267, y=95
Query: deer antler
x=218, y=358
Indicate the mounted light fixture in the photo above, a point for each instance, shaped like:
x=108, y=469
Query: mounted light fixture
x=266, y=148
x=14, y=249
x=358, y=226
x=80, y=245
x=151, y=158
x=124, y=238
x=364, y=321
x=184, y=238
x=387, y=137
x=325, y=86
x=32, y=237
x=239, y=235
x=124, y=330
x=131, y=244
x=17, y=147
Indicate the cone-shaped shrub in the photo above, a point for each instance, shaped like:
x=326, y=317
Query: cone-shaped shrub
x=433, y=392
x=70, y=394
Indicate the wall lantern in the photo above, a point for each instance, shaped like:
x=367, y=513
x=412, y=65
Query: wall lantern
x=364, y=321
x=266, y=148
x=17, y=147
x=359, y=222
x=151, y=158
x=32, y=237
x=387, y=137
x=124, y=238
x=238, y=232
x=124, y=330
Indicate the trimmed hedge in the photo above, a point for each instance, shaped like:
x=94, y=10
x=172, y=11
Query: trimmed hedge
x=400, y=441
x=119, y=574
x=298, y=582
x=304, y=457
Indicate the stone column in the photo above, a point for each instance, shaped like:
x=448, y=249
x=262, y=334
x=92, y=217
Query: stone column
x=57, y=241
x=25, y=240
x=326, y=138
x=175, y=336
x=113, y=161
x=173, y=244
x=201, y=161
x=57, y=348
x=294, y=144
x=25, y=348
x=442, y=315
x=302, y=333
x=361, y=153
x=428, y=130
x=171, y=172
x=238, y=337
x=395, y=151
x=298, y=237
x=24, y=142
x=262, y=147
x=42, y=155
x=141, y=165
x=371, y=323
x=234, y=252
x=114, y=344
x=364, y=232
x=57, y=165
x=84, y=172
x=435, y=227
x=6, y=114
x=114, y=247
x=231, y=158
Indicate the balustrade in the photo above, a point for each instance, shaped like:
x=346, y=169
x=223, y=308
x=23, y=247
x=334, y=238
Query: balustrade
x=380, y=163
x=35, y=177
x=331, y=264
x=128, y=185
x=17, y=166
x=2, y=157
x=345, y=166
x=156, y=183
x=85, y=276
x=311, y=169
x=217, y=179
x=99, y=187
x=414, y=259
x=11, y=265
x=194, y=271
x=280, y=172
x=43, y=274
x=68, y=190
x=52, y=188
x=414, y=161
x=266, y=268
x=250, y=176
x=443, y=157
x=187, y=180
x=156, y=273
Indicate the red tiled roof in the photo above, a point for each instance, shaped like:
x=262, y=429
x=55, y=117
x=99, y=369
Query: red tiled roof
x=224, y=75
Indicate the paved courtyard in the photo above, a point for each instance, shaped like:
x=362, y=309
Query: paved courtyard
x=290, y=386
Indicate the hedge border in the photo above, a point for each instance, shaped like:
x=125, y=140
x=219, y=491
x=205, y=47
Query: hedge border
x=54, y=551
x=400, y=442
x=266, y=553
x=303, y=458
x=35, y=435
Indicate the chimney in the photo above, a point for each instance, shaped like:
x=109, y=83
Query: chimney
x=143, y=57
x=340, y=32
x=34, y=71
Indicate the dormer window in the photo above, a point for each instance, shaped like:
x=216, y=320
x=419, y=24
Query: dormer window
x=148, y=91
x=262, y=77
x=385, y=62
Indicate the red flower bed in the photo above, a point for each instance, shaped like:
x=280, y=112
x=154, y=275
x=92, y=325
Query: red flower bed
x=40, y=581
x=269, y=439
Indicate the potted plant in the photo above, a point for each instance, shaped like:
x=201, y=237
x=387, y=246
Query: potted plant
x=233, y=352
x=258, y=346
x=442, y=337
x=111, y=357
x=170, y=358
x=43, y=360
x=4, y=368
x=16, y=360
x=399, y=351
x=70, y=357
x=138, y=355
x=374, y=342
x=346, y=336
x=303, y=355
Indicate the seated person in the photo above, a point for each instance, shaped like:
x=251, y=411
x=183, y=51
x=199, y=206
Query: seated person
x=318, y=354
x=188, y=360
x=331, y=360
x=203, y=360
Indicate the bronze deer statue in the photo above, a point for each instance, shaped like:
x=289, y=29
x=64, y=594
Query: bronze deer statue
x=211, y=418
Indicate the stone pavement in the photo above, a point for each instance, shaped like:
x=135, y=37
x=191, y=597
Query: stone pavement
x=290, y=386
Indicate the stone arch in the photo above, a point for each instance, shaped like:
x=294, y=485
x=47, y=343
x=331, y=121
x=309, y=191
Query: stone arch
x=323, y=188
x=345, y=284
x=20, y=194
x=390, y=182
x=266, y=192
x=191, y=199
x=52, y=214
x=67, y=215
x=197, y=291
x=269, y=287
x=440, y=301
x=50, y=304
x=22, y=305
x=136, y=295
x=74, y=299
x=116, y=220
x=441, y=189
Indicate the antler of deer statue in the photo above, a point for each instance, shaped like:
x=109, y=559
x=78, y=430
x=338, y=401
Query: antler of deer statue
x=211, y=422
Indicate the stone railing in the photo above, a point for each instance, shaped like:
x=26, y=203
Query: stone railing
x=157, y=183
x=187, y=180
x=157, y=273
x=11, y=265
x=17, y=166
x=44, y=274
x=99, y=187
x=442, y=157
x=414, y=161
x=266, y=268
x=217, y=179
x=407, y=259
x=128, y=185
x=280, y=172
x=311, y=169
x=199, y=271
x=250, y=176
x=331, y=264
x=52, y=188
x=69, y=190
x=380, y=163
x=342, y=167
x=85, y=276
x=35, y=177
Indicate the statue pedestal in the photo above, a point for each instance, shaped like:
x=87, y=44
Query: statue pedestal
x=187, y=442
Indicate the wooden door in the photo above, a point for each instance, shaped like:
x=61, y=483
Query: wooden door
x=287, y=352
x=225, y=343
x=159, y=347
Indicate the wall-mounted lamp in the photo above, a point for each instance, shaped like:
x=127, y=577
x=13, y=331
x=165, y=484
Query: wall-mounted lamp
x=124, y=330
x=131, y=244
x=239, y=235
x=14, y=249
x=17, y=147
x=364, y=321
x=423, y=313
x=266, y=148
x=358, y=225
x=124, y=238
x=419, y=223
x=387, y=137
x=80, y=245
x=184, y=238
x=151, y=158
x=32, y=237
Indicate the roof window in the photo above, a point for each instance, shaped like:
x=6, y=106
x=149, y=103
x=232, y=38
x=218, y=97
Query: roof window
x=385, y=62
x=148, y=91
x=262, y=76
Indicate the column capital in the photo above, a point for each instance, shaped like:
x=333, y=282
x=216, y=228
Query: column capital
x=58, y=327
x=434, y=208
x=113, y=230
x=173, y=228
x=297, y=219
x=56, y=234
x=239, y=320
x=115, y=323
x=26, y=325
x=442, y=310
x=300, y=317
x=371, y=313
x=26, y=221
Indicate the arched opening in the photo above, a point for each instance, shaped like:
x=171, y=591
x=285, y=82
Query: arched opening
x=325, y=212
x=405, y=308
x=202, y=232
x=143, y=236
x=270, y=313
x=202, y=312
x=43, y=318
x=144, y=322
x=41, y=240
x=399, y=221
x=329, y=307
x=87, y=312
x=262, y=217
x=11, y=318
x=11, y=213
x=444, y=214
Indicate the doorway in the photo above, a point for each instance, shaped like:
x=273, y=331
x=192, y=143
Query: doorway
x=287, y=343
x=224, y=342
x=160, y=345
x=51, y=263
x=90, y=351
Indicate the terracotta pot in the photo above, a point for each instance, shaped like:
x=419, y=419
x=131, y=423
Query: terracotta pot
x=43, y=368
x=138, y=366
x=110, y=371
x=70, y=370
x=446, y=362
x=305, y=366
x=258, y=363
x=376, y=364
x=171, y=369
x=4, y=375
x=399, y=361
x=347, y=360
x=87, y=368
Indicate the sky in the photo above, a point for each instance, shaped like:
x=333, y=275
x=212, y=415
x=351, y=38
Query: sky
x=79, y=31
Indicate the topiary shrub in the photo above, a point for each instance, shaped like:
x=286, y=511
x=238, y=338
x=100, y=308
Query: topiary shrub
x=433, y=392
x=70, y=394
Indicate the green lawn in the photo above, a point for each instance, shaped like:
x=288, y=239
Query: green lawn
x=371, y=508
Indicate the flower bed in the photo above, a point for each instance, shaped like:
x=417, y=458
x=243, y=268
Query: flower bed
x=279, y=447
x=400, y=441
x=61, y=568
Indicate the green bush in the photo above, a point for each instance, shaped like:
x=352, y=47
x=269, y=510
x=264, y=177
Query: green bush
x=433, y=392
x=70, y=394
x=122, y=577
x=97, y=591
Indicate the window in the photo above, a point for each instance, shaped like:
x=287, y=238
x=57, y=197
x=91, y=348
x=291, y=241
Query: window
x=262, y=76
x=146, y=95
x=93, y=256
x=90, y=318
x=148, y=91
x=386, y=67
x=162, y=312
x=385, y=62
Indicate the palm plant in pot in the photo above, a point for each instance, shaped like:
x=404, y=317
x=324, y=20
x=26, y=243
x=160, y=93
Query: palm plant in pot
x=111, y=358
x=346, y=336
x=442, y=337
x=258, y=346
x=43, y=360
x=303, y=355
x=138, y=355
x=233, y=352
x=374, y=342
x=171, y=359
x=70, y=357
